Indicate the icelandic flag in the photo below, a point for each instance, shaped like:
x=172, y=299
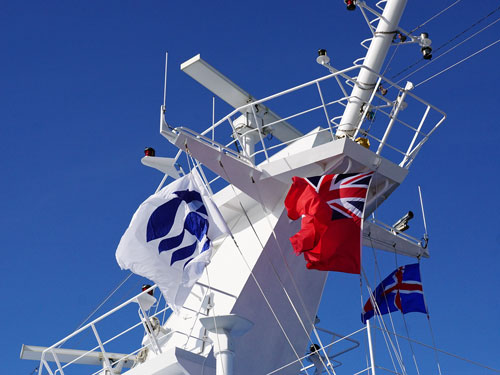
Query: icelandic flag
x=401, y=290
x=332, y=209
x=169, y=238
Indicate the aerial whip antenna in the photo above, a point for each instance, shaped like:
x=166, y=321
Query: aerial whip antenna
x=163, y=123
x=165, y=84
x=426, y=237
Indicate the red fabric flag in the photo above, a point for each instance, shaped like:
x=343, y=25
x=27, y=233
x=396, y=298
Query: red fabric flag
x=331, y=207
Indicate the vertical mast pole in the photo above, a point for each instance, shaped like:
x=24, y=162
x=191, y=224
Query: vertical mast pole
x=370, y=346
x=374, y=59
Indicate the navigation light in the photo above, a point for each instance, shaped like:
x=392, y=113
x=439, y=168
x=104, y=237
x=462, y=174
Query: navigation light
x=149, y=151
x=322, y=58
x=351, y=4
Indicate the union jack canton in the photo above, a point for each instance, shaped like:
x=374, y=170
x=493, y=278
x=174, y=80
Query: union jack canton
x=331, y=208
x=401, y=290
x=344, y=193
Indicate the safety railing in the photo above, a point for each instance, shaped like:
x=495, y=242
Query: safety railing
x=146, y=329
x=141, y=330
x=327, y=354
x=110, y=361
x=395, y=121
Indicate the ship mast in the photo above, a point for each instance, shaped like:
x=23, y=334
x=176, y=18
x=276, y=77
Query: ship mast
x=367, y=78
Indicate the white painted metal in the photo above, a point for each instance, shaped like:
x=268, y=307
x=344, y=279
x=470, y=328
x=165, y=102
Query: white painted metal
x=254, y=273
x=408, y=153
x=224, y=88
x=400, y=105
x=383, y=237
x=373, y=61
x=225, y=327
x=370, y=346
x=165, y=165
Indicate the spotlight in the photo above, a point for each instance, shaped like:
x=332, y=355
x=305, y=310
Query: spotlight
x=149, y=151
x=427, y=53
x=351, y=4
x=402, y=224
x=322, y=58
x=402, y=37
x=425, y=43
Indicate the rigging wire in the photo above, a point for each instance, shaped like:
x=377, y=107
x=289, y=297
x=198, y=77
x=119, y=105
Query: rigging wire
x=253, y=275
x=430, y=328
x=434, y=16
x=292, y=278
x=457, y=63
x=378, y=316
x=415, y=29
x=451, y=49
x=443, y=351
x=406, y=325
x=104, y=301
x=448, y=42
x=377, y=269
x=276, y=273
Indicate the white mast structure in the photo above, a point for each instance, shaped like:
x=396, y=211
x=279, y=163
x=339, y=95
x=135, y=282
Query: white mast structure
x=367, y=78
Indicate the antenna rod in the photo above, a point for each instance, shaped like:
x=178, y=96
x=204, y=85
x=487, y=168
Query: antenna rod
x=367, y=78
x=165, y=84
x=422, y=206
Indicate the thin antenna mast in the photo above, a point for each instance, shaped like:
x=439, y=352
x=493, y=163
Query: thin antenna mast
x=426, y=237
x=163, y=109
x=165, y=84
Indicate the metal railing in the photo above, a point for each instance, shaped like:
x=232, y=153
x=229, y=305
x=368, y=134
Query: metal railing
x=396, y=124
x=145, y=322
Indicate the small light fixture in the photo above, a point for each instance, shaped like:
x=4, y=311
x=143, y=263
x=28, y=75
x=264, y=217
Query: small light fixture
x=146, y=287
x=370, y=115
x=427, y=53
x=365, y=142
x=382, y=90
x=402, y=37
x=314, y=348
x=351, y=4
x=402, y=224
x=149, y=151
x=322, y=58
x=425, y=43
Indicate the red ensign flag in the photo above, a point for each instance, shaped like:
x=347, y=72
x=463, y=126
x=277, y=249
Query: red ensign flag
x=331, y=207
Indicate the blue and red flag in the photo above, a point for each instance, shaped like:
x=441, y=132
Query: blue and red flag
x=331, y=208
x=401, y=290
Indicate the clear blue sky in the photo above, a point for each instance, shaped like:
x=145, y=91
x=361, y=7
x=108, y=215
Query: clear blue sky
x=81, y=87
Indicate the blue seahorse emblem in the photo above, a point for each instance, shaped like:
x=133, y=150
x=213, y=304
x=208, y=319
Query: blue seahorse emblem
x=161, y=221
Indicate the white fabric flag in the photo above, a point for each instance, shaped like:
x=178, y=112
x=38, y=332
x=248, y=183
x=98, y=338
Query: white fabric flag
x=169, y=238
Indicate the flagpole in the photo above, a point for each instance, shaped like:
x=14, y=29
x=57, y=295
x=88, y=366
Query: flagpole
x=370, y=346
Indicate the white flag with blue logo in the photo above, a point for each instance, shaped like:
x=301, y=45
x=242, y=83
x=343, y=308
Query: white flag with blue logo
x=169, y=237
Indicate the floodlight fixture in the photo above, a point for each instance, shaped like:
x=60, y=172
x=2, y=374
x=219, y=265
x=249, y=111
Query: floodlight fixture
x=402, y=224
x=425, y=43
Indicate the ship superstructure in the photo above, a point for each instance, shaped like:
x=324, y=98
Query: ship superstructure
x=256, y=294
